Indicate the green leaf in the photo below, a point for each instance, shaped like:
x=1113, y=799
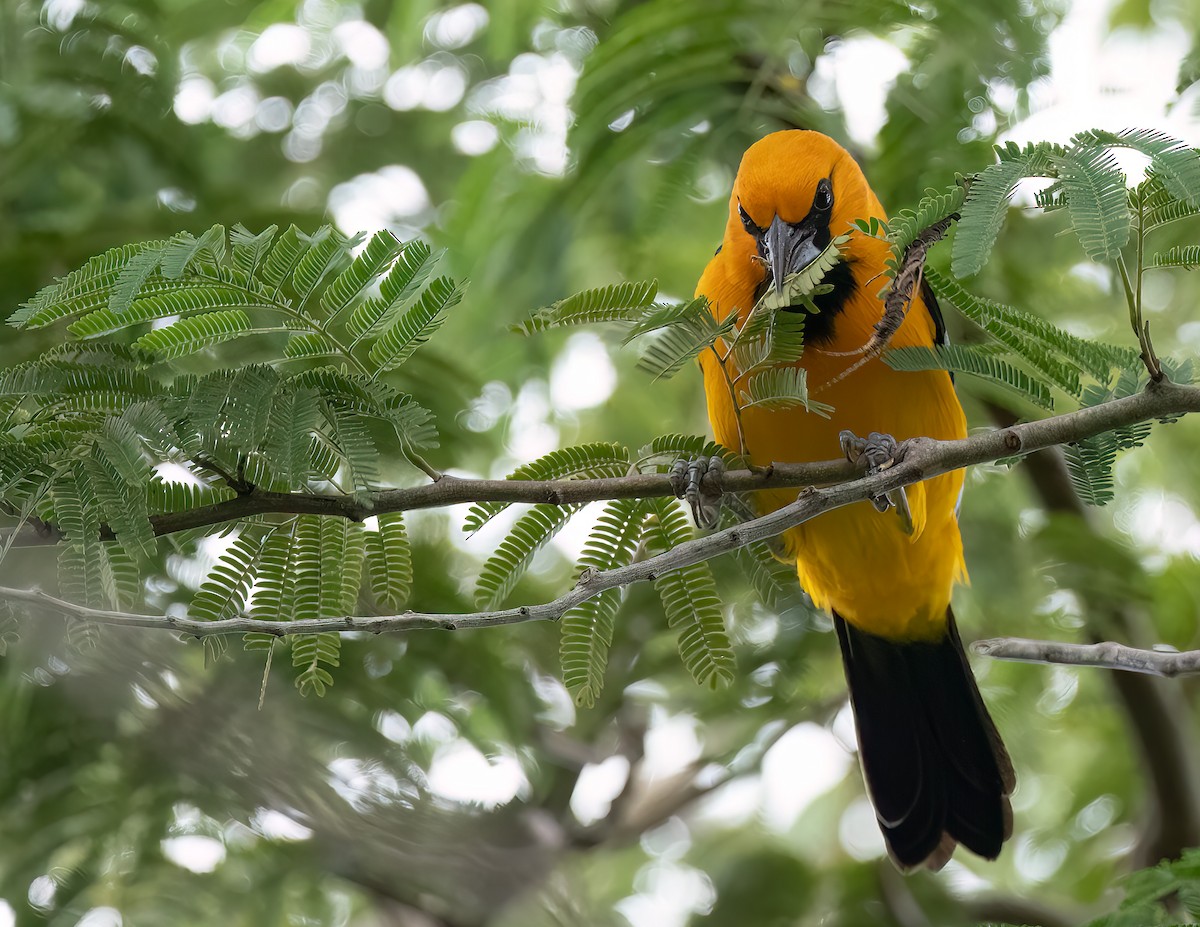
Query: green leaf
x=975, y=362
x=184, y=248
x=689, y=598
x=587, y=629
x=417, y=325
x=582, y=461
x=622, y=302
x=281, y=261
x=401, y=285
x=904, y=227
x=249, y=249
x=310, y=344
x=781, y=388
x=326, y=254
x=1097, y=200
x=1175, y=162
x=274, y=585
x=389, y=562
x=513, y=556
x=188, y=336
x=986, y=203
x=1032, y=338
x=1187, y=257
x=364, y=270
x=681, y=338
x=131, y=277
x=800, y=287
x=179, y=299
x=291, y=420
x=224, y=591
x=662, y=452
x=98, y=275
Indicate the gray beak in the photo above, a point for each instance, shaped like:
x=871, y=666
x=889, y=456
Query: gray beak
x=789, y=248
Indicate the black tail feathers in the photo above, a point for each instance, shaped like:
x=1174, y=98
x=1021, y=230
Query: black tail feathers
x=935, y=767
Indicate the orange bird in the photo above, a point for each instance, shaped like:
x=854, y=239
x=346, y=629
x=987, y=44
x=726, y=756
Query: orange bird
x=935, y=767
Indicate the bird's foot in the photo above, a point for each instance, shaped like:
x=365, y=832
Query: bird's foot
x=699, y=482
x=874, y=454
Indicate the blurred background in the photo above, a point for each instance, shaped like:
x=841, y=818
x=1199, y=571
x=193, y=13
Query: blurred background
x=449, y=781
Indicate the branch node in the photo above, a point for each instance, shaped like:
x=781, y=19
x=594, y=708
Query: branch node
x=1012, y=440
x=586, y=577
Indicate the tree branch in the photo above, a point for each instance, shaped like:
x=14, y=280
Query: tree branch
x=922, y=458
x=453, y=490
x=1106, y=655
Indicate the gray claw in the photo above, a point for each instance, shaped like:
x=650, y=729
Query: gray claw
x=874, y=454
x=698, y=481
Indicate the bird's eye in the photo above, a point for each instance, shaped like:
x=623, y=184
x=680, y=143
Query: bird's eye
x=824, y=197
x=747, y=222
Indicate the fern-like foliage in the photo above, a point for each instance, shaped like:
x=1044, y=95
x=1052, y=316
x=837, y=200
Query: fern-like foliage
x=1057, y=355
x=1088, y=183
x=689, y=598
x=1090, y=462
x=587, y=629
x=512, y=558
x=986, y=203
x=781, y=388
x=389, y=562
x=974, y=361
x=902, y=230
x=679, y=336
x=1185, y=256
x=622, y=302
x=1094, y=189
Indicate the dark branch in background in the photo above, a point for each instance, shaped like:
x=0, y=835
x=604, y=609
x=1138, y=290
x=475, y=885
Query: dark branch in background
x=1160, y=720
x=921, y=459
x=1107, y=655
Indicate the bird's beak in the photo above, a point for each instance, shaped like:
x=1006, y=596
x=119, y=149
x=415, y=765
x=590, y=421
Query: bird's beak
x=790, y=247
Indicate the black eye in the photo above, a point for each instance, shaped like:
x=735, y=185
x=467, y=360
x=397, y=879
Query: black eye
x=748, y=223
x=824, y=197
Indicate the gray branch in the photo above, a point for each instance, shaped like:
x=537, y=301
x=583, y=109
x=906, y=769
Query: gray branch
x=922, y=458
x=1106, y=655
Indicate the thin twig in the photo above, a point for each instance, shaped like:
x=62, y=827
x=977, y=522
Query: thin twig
x=922, y=459
x=1107, y=655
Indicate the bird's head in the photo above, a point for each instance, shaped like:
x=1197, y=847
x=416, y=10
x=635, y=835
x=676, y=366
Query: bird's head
x=795, y=190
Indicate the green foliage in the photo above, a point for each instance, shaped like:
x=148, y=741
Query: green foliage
x=587, y=629
x=389, y=562
x=1055, y=354
x=781, y=388
x=689, y=598
x=1187, y=257
x=1090, y=462
x=987, y=199
x=508, y=563
x=679, y=335
x=980, y=362
x=621, y=302
x=1087, y=182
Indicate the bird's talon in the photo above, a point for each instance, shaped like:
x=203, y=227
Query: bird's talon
x=698, y=482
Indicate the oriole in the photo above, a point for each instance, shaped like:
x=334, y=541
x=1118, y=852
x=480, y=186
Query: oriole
x=935, y=767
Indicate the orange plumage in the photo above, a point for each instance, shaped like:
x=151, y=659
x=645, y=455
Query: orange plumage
x=890, y=586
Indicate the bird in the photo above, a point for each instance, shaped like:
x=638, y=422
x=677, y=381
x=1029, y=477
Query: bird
x=936, y=770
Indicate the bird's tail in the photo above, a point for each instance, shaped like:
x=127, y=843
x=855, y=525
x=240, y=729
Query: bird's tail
x=936, y=769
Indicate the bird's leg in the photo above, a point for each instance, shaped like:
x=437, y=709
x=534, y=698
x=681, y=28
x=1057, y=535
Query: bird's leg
x=874, y=454
x=699, y=482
